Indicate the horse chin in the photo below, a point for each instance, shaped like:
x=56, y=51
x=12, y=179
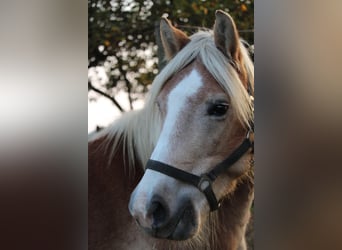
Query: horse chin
x=186, y=227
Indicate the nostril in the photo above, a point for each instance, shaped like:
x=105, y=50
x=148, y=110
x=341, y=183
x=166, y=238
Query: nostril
x=158, y=211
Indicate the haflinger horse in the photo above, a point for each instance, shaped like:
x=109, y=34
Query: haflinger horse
x=178, y=174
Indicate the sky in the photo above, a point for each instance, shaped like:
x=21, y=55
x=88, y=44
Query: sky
x=102, y=112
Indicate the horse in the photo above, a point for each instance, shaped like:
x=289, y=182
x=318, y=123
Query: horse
x=178, y=174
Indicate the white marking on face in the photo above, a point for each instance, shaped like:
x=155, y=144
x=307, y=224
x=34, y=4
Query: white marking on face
x=176, y=102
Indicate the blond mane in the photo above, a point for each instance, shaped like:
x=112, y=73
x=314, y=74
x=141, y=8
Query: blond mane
x=138, y=131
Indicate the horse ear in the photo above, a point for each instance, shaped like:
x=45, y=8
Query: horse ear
x=226, y=35
x=173, y=39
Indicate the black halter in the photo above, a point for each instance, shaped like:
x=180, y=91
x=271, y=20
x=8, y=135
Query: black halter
x=205, y=181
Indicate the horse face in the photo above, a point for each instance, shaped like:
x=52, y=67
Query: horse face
x=199, y=131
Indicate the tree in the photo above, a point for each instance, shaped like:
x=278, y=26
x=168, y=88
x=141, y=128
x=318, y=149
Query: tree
x=122, y=38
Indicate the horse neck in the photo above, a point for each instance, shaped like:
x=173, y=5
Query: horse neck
x=109, y=189
x=232, y=218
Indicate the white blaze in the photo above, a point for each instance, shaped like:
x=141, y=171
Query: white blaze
x=176, y=102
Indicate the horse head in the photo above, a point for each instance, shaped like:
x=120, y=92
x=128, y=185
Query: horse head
x=205, y=112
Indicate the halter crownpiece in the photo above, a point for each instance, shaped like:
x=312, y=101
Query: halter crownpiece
x=205, y=181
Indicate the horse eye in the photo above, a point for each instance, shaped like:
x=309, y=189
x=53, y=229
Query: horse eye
x=218, y=109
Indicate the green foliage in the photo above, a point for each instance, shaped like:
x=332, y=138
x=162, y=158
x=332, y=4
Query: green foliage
x=122, y=36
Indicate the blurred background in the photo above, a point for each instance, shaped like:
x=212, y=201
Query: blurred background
x=44, y=101
x=124, y=52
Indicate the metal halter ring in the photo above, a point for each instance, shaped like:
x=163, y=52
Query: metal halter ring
x=204, y=182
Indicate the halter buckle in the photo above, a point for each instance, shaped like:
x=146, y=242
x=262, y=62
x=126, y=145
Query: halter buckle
x=204, y=182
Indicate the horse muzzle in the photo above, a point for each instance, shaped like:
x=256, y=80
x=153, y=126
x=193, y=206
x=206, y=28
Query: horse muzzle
x=158, y=221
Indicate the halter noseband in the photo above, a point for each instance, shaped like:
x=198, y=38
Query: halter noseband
x=204, y=182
